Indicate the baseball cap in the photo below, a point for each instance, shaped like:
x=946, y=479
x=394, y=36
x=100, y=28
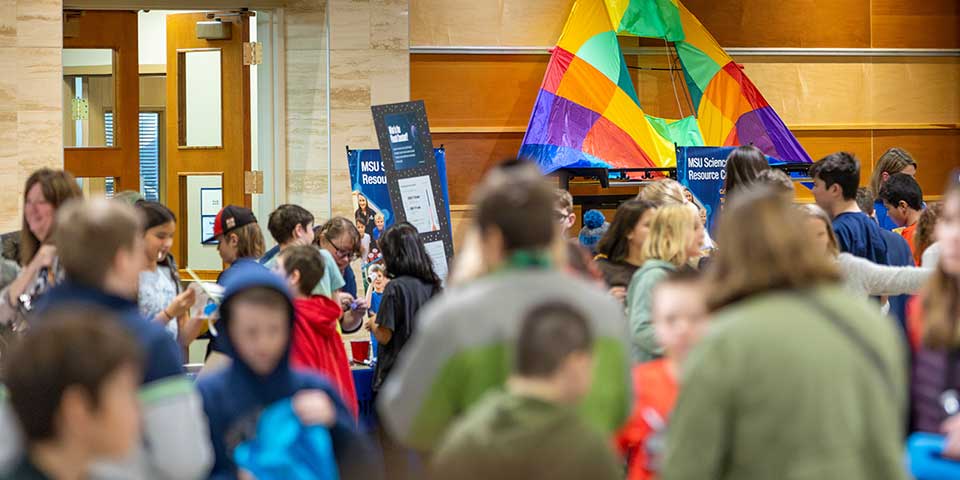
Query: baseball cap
x=229, y=219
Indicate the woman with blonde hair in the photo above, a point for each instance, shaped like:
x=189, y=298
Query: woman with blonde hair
x=673, y=242
x=894, y=160
x=860, y=276
x=662, y=192
x=796, y=378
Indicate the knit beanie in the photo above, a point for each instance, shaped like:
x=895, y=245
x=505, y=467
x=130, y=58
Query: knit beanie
x=594, y=226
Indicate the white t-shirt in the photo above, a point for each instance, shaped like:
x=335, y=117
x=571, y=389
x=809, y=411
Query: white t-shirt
x=157, y=291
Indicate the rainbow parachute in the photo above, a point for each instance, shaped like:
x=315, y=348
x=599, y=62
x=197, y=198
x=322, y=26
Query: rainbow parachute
x=587, y=113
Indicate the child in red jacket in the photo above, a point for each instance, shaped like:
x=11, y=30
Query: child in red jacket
x=316, y=343
x=679, y=318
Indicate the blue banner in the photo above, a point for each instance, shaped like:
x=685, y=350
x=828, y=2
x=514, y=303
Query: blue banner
x=369, y=185
x=703, y=171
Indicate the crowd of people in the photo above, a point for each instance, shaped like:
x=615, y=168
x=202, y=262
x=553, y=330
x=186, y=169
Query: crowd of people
x=800, y=341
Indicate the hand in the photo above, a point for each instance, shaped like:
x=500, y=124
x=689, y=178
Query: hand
x=344, y=299
x=618, y=292
x=182, y=303
x=360, y=307
x=368, y=325
x=951, y=428
x=314, y=407
x=44, y=257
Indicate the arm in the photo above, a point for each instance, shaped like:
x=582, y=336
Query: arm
x=174, y=424
x=884, y=279
x=700, y=423
x=381, y=333
x=643, y=340
x=11, y=448
x=175, y=429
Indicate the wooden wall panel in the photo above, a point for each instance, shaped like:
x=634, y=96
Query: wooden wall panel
x=859, y=90
x=790, y=23
x=470, y=155
x=477, y=90
x=734, y=23
x=937, y=153
x=471, y=22
x=926, y=24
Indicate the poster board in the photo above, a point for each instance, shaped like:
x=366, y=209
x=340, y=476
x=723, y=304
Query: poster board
x=417, y=193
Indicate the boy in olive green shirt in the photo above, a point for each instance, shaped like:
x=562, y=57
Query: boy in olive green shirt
x=533, y=429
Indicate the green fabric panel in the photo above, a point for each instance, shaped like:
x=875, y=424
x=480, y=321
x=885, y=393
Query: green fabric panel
x=652, y=18
x=603, y=52
x=165, y=388
x=469, y=375
x=697, y=65
x=684, y=132
x=626, y=83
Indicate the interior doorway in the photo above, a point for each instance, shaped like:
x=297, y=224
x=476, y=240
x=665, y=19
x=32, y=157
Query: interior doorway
x=179, y=107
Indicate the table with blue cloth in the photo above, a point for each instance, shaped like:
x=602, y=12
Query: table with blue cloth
x=363, y=382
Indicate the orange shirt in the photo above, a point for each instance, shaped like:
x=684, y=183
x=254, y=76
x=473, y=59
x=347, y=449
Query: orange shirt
x=907, y=234
x=654, y=395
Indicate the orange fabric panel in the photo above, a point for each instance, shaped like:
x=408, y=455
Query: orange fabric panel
x=586, y=86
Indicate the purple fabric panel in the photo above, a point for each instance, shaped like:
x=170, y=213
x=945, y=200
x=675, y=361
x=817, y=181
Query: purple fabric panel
x=569, y=123
x=750, y=129
x=538, y=129
x=787, y=147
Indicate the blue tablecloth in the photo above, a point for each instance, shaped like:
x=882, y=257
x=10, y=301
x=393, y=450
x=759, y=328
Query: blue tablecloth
x=363, y=382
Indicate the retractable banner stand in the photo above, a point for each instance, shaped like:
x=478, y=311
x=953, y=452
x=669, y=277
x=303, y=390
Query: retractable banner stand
x=371, y=197
x=414, y=177
x=701, y=170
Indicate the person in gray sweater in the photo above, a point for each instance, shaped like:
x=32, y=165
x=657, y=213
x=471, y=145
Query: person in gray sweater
x=861, y=276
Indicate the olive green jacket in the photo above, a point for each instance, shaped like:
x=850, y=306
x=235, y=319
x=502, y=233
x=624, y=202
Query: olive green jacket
x=777, y=391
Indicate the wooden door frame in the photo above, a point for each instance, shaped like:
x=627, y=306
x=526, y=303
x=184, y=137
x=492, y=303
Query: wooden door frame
x=117, y=31
x=183, y=159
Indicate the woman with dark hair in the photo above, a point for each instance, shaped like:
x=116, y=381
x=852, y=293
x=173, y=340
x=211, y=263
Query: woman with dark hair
x=412, y=284
x=618, y=252
x=161, y=297
x=744, y=165
x=794, y=358
x=45, y=192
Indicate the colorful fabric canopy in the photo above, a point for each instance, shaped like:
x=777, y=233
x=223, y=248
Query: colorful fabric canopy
x=587, y=112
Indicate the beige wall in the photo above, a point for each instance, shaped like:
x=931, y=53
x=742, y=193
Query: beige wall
x=369, y=64
x=30, y=97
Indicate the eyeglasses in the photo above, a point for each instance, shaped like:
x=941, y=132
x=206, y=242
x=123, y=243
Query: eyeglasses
x=560, y=215
x=342, y=252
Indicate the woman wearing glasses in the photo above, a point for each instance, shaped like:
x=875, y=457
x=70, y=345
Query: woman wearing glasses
x=340, y=237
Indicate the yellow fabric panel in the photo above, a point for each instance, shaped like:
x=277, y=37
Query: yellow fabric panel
x=616, y=9
x=695, y=34
x=588, y=18
x=625, y=113
x=714, y=126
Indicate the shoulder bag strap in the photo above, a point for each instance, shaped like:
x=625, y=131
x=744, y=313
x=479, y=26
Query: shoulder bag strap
x=872, y=355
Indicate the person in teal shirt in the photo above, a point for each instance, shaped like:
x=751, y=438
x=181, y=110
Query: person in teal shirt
x=676, y=234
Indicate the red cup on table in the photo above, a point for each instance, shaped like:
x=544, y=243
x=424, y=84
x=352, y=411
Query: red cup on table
x=360, y=350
